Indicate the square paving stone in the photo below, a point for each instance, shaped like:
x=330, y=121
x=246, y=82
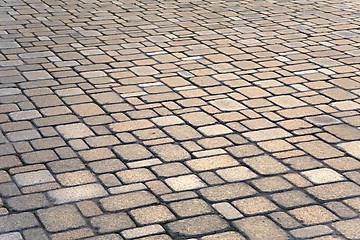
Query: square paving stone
x=16, y=222
x=170, y=169
x=224, y=236
x=266, y=165
x=291, y=199
x=77, y=193
x=11, y=236
x=210, y=163
x=333, y=191
x=146, y=231
x=344, y=131
x=253, y=92
x=322, y=175
x=349, y=228
x=227, y=105
x=152, y=214
x=132, y=152
x=227, y=192
x=186, y=182
x=197, y=226
x=170, y=152
x=9, y=161
x=267, y=134
x=215, y=130
x=167, y=121
x=87, y=109
x=28, y=202
x=75, y=130
x=320, y=150
x=255, y=205
x=191, y=207
x=76, y=178
x=351, y=148
x=323, y=120
x=135, y=175
x=259, y=228
x=182, y=132
x=61, y=218
x=128, y=126
x=112, y=222
x=37, y=75
x=128, y=200
x=33, y=178
x=287, y=101
x=312, y=215
x=198, y=118
x=236, y=174
x=47, y=101
x=271, y=184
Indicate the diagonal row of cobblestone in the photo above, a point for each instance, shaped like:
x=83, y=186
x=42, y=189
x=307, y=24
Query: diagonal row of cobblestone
x=139, y=119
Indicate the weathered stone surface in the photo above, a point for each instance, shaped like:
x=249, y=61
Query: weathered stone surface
x=260, y=227
x=112, y=222
x=351, y=148
x=60, y=218
x=77, y=193
x=16, y=222
x=76, y=130
x=128, y=200
x=157, y=120
x=227, y=191
x=197, y=226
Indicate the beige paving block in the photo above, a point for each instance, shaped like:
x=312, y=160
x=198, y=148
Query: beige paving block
x=236, y=174
x=76, y=130
x=61, y=218
x=198, y=226
x=214, y=162
x=82, y=192
x=348, y=228
x=227, y=192
x=320, y=149
x=152, y=214
x=214, y=130
x=351, y=148
x=266, y=165
x=313, y=215
x=267, y=134
x=185, y=182
x=260, y=227
x=322, y=175
x=127, y=200
x=131, y=125
x=227, y=105
x=254, y=205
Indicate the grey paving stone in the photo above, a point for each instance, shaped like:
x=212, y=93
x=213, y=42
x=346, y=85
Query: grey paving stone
x=260, y=227
x=16, y=222
x=9, y=91
x=197, y=226
x=127, y=201
x=60, y=218
x=28, y=202
x=112, y=222
x=25, y=115
x=76, y=130
x=11, y=236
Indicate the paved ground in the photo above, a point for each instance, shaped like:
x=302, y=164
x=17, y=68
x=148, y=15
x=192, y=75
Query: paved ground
x=179, y=119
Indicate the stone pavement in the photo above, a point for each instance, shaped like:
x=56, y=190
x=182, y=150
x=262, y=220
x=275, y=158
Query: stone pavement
x=144, y=119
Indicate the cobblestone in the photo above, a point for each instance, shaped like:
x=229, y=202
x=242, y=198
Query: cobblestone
x=179, y=120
